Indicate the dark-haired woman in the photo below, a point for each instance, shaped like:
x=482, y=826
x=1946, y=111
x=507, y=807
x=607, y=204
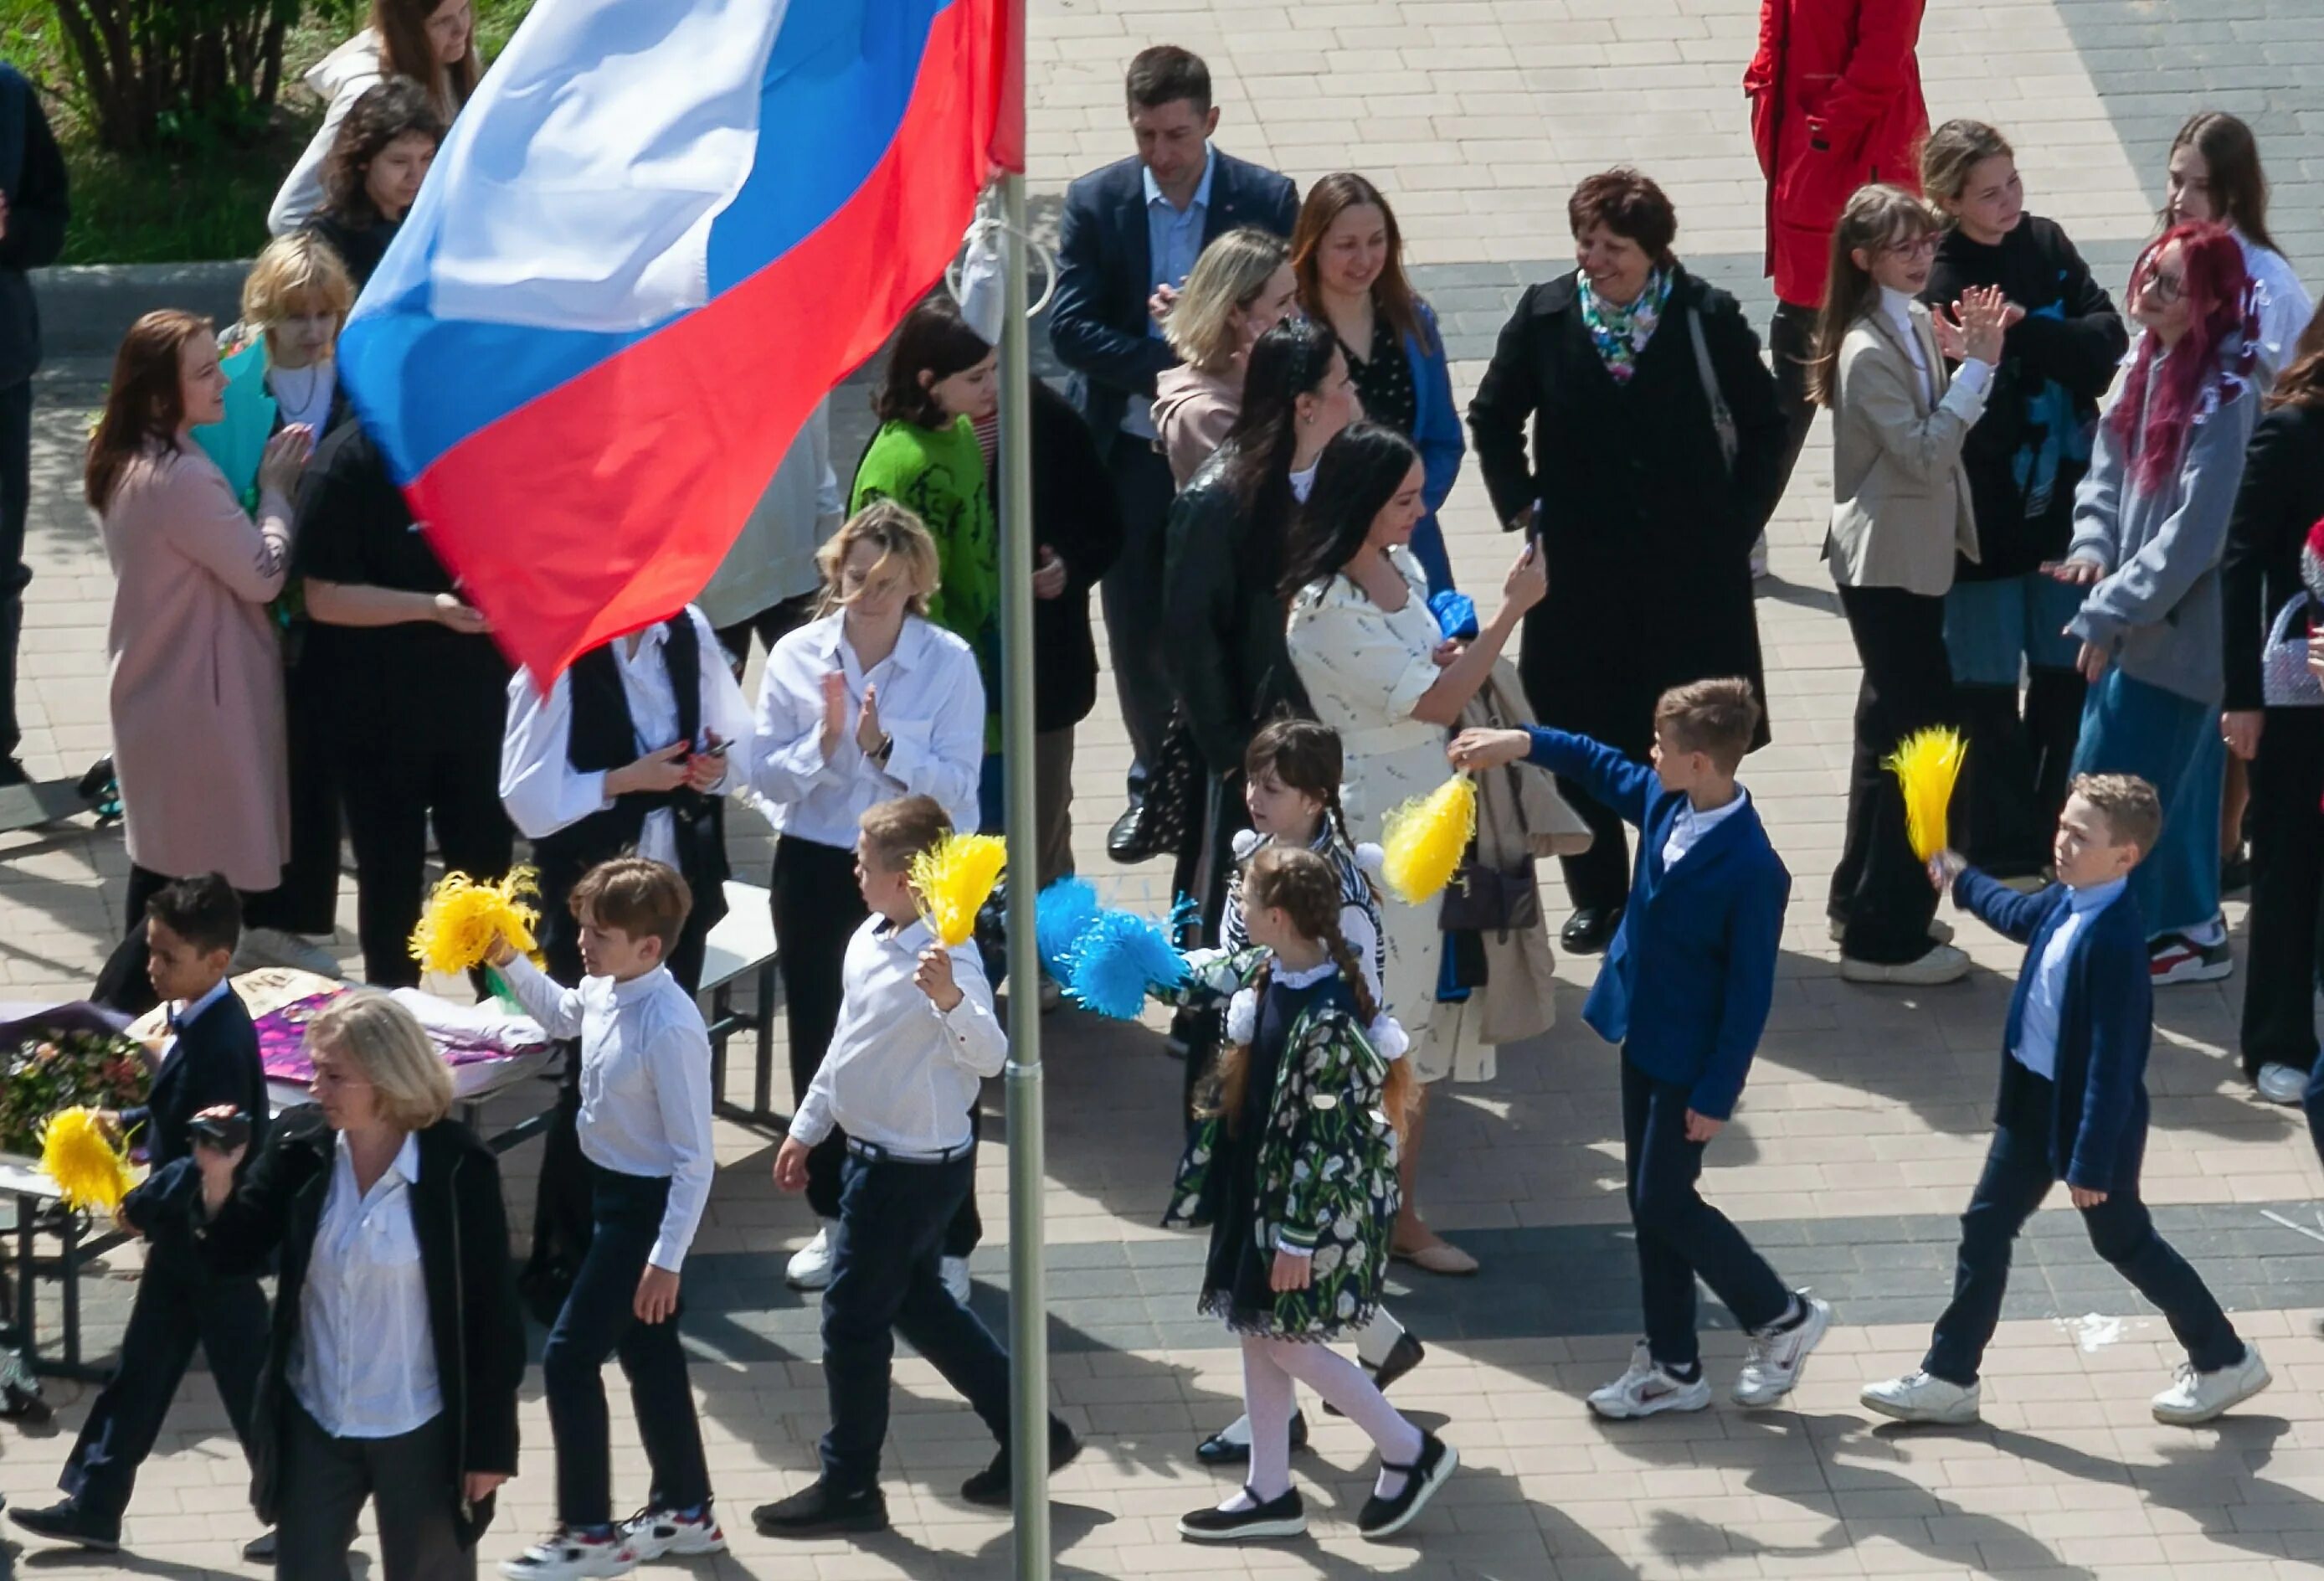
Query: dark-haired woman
x=1377, y=669
x=2214, y=177
x=1348, y=256
x=1623, y=370
x=380, y=156
x=2277, y=506
x=942, y=382
x=431, y=43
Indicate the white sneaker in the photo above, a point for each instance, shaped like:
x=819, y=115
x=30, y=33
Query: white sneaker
x=809, y=1268
x=565, y=1554
x=954, y=1272
x=1648, y=1387
x=1940, y=930
x=2283, y=1084
x=1773, y=1358
x=651, y=1533
x=1916, y=1397
x=1941, y=963
x=2197, y=1396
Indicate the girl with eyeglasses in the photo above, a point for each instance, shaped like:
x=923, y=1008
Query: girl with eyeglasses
x=1901, y=514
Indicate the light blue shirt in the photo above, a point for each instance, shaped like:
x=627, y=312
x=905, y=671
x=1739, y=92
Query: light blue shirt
x=1173, y=240
x=2037, y=1034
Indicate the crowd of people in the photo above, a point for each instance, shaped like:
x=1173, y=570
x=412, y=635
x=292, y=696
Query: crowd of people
x=2073, y=531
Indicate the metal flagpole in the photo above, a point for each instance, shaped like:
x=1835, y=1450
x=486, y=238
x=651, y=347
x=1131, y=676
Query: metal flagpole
x=1028, y=1336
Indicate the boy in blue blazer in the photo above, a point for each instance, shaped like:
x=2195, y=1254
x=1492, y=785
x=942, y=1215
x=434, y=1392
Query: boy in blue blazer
x=1684, y=990
x=2073, y=1107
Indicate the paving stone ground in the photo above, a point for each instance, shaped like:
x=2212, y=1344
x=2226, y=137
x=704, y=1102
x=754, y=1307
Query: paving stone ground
x=1865, y=1118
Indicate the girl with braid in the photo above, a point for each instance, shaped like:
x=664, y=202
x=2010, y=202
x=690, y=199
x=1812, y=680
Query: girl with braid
x=1291, y=788
x=1295, y=1170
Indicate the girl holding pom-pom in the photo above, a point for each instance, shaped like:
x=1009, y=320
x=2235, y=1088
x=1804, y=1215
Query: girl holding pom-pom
x=1297, y=1170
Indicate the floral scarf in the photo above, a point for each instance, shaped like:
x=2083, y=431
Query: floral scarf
x=1621, y=333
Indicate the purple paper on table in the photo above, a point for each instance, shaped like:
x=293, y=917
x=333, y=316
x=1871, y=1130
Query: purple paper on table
x=282, y=1040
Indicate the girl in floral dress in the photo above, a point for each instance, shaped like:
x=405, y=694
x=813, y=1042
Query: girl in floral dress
x=1303, y=1149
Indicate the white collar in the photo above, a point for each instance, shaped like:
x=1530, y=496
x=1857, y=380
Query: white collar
x=1716, y=815
x=1307, y=979
x=1897, y=306
x=640, y=986
x=406, y=1163
x=912, y=937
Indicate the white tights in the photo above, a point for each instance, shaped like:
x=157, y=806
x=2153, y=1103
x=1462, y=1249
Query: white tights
x=1269, y=1366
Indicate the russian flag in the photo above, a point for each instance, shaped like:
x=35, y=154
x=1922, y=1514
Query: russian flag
x=659, y=235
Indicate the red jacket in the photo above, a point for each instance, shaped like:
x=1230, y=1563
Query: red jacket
x=1835, y=103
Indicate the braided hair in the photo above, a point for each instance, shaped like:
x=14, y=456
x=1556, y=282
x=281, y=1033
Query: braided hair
x=1306, y=888
x=1308, y=758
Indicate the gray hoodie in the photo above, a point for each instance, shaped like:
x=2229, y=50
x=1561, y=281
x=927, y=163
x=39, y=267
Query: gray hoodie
x=339, y=80
x=2155, y=611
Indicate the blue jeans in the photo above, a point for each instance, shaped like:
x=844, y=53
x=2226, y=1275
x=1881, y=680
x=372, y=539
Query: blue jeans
x=1991, y=628
x=2017, y=1176
x=2173, y=742
x=598, y=1320
x=1680, y=1235
x=884, y=1281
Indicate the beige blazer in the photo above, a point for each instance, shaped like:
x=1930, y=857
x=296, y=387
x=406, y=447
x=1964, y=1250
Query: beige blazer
x=196, y=671
x=1900, y=497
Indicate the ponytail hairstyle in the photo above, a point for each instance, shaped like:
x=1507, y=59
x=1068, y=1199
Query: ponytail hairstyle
x=1876, y=216
x=1308, y=758
x=1306, y=888
x=1291, y=360
x=2218, y=292
x=1952, y=151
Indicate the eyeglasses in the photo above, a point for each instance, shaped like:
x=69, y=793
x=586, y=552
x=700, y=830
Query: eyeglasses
x=2166, y=289
x=1917, y=247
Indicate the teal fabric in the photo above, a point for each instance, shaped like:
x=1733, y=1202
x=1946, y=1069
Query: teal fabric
x=238, y=441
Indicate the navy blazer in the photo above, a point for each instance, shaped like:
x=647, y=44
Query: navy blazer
x=213, y=1061
x=2106, y=1024
x=1098, y=322
x=1704, y=937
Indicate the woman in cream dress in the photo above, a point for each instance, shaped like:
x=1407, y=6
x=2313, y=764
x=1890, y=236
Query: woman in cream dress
x=1377, y=669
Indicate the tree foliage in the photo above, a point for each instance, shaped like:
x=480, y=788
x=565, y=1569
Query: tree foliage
x=153, y=67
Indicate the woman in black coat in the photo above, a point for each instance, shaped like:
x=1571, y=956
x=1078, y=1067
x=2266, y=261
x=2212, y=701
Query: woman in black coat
x=378, y=1165
x=2279, y=502
x=1647, y=509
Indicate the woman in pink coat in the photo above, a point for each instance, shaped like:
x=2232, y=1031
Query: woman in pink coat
x=195, y=669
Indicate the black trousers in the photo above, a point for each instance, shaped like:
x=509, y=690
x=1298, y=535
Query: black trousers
x=894, y=1221
x=1880, y=889
x=817, y=907
x=2287, y=894
x=310, y=878
x=176, y=1307
x=599, y=1322
x=1791, y=342
x=2017, y=1176
x=326, y=1482
x=1132, y=598
x=2013, y=784
x=16, y=505
x=392, y=789
x=1679, y=1234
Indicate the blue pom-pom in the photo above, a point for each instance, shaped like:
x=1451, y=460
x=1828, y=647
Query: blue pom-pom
x=1456, y=614
x=1117, y=960
x=1060, y=912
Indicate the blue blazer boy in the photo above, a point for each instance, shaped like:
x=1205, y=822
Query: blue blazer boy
x=213, y=1061
x=1687, y=987
x=2105, y=1025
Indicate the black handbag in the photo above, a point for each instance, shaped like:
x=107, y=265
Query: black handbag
x=1485, y=898
x=1175, y=786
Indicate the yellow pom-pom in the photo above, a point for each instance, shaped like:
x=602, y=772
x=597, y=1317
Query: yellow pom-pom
x=1926, y=764
x=84, y=1162
x=1422, y=840
x=954, y=879
x=463, y=917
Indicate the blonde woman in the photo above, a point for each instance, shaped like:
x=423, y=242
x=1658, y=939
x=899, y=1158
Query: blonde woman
x=398, y=1346
x=1901, y=513
x=1241, y=287
x=869, y=702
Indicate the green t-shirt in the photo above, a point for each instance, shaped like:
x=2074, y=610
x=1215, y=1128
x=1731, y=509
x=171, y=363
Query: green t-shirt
x=939, y=473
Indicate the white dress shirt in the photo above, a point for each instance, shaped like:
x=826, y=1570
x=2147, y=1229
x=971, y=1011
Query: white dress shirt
x=931, y=705
x=901, y=1074
x=645, y=1085
x=363, y=1364
x=2045, y=997
x=1971, y=378
x=1690, y=826
x=544, y=792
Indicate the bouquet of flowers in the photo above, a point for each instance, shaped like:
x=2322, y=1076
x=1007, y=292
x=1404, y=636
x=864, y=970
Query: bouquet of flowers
x=44, y=1074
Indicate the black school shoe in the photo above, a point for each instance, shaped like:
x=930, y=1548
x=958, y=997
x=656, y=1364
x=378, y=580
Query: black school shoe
x=1590, y=929
x=1381, y=1519
x=819, y=1510
x=1404, y=1354
x=67, y=1522
x=994, y=1486
x=1283, y=1517
x=1218, y=1450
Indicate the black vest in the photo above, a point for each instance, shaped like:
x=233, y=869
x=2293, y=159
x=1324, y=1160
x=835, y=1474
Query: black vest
x=604, y=737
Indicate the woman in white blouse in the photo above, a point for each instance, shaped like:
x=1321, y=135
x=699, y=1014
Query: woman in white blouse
x=1377, y=669
x=397, y=1345
x=866, y=704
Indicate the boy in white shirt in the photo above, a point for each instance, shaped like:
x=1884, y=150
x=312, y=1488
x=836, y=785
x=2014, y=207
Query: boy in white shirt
x=645, y=1132
x=915, y=1036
